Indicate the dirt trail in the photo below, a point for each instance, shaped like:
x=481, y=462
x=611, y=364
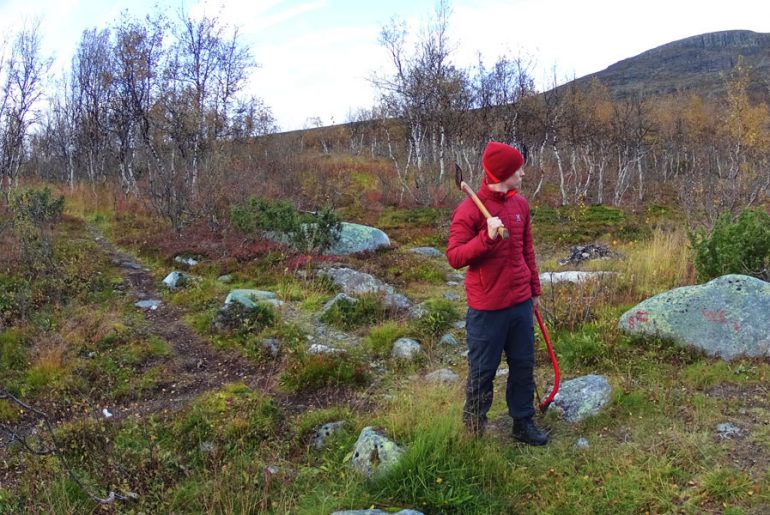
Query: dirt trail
x=194, y=366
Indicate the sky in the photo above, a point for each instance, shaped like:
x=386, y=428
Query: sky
x=316, y=56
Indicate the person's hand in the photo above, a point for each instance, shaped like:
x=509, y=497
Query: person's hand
x=493, y=224
x=535, y=303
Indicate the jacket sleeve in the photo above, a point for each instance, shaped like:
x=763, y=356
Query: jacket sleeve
x=529, y=257
x=466, y=243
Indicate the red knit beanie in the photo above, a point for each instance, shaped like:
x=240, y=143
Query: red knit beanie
x=500, y=161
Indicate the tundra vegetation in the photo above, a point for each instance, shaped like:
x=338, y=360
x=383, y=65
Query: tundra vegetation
x=150, y=143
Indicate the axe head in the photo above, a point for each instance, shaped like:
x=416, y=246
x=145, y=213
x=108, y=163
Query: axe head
x=458, y=176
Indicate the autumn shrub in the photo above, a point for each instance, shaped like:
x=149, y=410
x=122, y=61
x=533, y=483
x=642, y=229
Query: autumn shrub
x=740, y=246
x=309, y=372
x=439, y=317
x=308, y=232
x=349, y=314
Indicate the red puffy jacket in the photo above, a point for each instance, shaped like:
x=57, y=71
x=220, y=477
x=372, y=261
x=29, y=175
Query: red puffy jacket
x=501, y=273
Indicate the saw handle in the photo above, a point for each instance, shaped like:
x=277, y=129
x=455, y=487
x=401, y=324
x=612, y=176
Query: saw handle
x=502, y=231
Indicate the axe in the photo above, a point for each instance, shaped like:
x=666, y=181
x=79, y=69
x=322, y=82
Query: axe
x=502, y=231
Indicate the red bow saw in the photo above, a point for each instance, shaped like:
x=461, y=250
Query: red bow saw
x=547, y=402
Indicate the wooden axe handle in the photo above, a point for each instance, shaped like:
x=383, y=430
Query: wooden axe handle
x=502, y=231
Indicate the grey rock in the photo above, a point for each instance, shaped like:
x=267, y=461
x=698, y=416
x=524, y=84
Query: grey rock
x=148, y=304
x=726, y=430
x=501, y=372
x=582, y=397
x=576, y=277
x=272, y=346
x=358, y=238
x=326, y=431
x=176, y=279
x=186, y=260
x=207, y=447
x=449, y=340
x=460, y=324
x=418, y=311
x=318, y=348
x=456, y=276
x=582, y=444
x=452, y=283
x=353, y=282
x=451, y=296
x=249, y=298
x=726, y=317
x=405, y=348
x=226, y=278
x=397, y=301
x=341, y=297
x=373, y=453
x=443, y=375
x=129, y=264
x=427, y=251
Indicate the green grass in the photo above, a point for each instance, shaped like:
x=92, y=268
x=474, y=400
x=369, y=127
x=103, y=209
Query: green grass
x=239, y=450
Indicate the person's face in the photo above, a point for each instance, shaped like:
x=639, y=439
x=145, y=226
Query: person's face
x=514, y=181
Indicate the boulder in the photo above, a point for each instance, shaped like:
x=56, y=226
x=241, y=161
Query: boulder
x=358, y=238
x=405, y=348
x=726, y=317
x=249, y=298
x=341, y=297
x=582, y=397
x=354, y=283
x=373, y=453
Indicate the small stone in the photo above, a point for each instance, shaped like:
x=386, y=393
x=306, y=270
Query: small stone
x=582, y=444
x=148, y=304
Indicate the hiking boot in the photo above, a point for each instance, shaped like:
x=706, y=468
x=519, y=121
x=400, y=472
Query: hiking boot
x=525, y=430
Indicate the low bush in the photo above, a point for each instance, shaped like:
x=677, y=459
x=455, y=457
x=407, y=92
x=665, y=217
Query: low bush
x=309, y=232
x=740, y=246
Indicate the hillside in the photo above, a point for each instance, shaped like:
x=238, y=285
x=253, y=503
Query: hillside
x=695, y=64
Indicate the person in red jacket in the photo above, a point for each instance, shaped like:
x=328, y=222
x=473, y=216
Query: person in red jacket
x=502, y=288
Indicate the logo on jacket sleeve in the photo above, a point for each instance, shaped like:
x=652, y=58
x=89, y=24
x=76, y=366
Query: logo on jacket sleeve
x=518, y=218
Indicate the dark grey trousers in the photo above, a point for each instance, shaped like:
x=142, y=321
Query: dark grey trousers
x=490, y=333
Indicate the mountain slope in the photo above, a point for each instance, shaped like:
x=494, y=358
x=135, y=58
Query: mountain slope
x=695, y=64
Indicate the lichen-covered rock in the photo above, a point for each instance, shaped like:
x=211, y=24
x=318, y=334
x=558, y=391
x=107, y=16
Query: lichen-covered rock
x=373, y=453
x=582, y=397
x=405, y=348
x=326, y=431
x=340, y=297
x=358, y=238
x=176, y=280
x=726, y=317
x=249, y=298
x=352, y=282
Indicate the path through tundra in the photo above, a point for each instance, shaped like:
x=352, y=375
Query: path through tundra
x=194, y=366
